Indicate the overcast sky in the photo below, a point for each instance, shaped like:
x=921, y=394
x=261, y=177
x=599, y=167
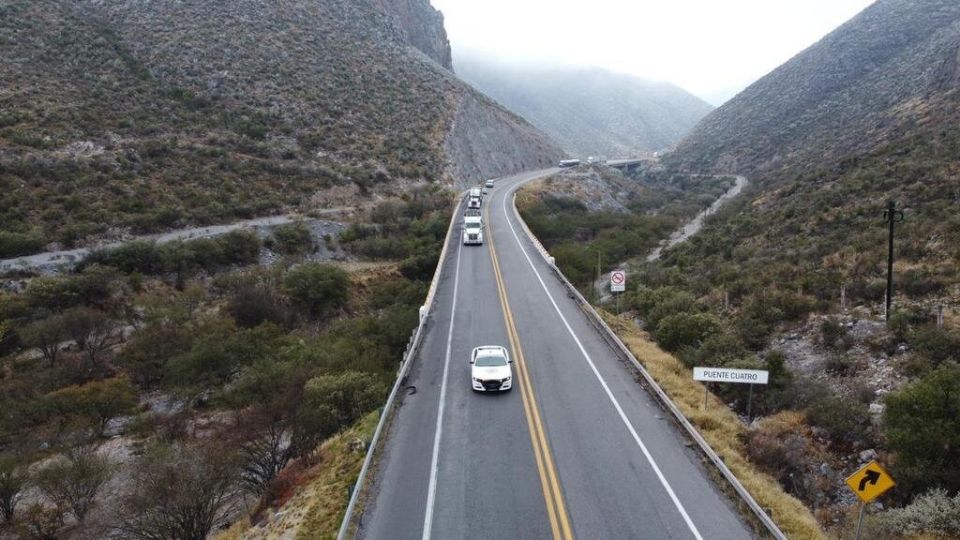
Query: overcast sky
x=712, y=48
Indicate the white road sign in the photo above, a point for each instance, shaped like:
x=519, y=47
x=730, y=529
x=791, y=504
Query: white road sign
x=618, y=281
x=730, y=375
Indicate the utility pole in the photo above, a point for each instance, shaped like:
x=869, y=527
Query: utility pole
x=891, y=215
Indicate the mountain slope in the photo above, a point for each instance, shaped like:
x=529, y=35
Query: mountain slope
x=888, y=72
x=128, y=116
x=797, y=266
x=589, y=111
x=867, y=115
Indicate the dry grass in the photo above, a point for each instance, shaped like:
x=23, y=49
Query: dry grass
x=317, y=508
x=721, y=428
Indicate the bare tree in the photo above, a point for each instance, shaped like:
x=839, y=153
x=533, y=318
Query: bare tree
x=72, y=482
x=180, y=492
x=13, y=480
x=46, y=335
x=265, y=449
x=92, y=329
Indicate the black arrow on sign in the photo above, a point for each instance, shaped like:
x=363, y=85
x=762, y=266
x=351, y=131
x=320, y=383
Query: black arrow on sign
x=870, y=476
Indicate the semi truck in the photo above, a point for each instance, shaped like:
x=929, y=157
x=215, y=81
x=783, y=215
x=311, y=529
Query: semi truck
x=476, y=197
x=472, y=228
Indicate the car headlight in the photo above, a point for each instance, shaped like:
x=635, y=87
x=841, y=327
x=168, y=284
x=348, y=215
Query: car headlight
x=507, y=379
x=477, y=380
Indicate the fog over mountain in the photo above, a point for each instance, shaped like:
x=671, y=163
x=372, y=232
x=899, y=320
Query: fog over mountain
x=588, y=111
x=890, y=72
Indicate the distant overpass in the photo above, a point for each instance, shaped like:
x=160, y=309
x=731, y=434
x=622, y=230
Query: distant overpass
x=626, y=165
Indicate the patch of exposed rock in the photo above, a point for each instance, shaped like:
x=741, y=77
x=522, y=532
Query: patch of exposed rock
x=600, y=189
x=422, y=26
x=487, y=141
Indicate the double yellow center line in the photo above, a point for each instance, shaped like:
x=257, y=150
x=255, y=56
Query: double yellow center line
x=552, y=494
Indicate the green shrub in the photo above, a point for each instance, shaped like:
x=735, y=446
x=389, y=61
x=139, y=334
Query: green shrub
x=293, y=238
x=317, y=287
x=253, y=306
x=420, y=267
x=13, y=244
x=920, y=423
x=138, y=256
x=899, y=325
x=93, y=285
x=936, y=345
x=719, y=349
x=846, y=421
x=146, y=354
x=690, y=329
x=181, y=257
x=933, y=513
x=841, y=365
x=333, y=402
x=832, y=332
x=656, y=304
x=98, y=401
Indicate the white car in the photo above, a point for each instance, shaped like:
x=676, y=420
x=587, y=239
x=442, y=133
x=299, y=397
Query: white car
x=489, y=184
x=490, y=369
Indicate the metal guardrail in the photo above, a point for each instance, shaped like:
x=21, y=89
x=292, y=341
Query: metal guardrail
x=408, y=357
x=614, y=341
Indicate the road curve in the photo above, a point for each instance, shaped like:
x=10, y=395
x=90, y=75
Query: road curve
x=578, y=442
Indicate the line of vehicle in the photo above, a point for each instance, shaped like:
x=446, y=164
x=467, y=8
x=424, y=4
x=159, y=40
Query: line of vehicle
x=549, y=479
x=434, y=460
x=603, y=383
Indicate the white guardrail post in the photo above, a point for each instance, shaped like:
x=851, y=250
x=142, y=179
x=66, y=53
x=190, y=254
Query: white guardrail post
x=411, y=352
x=665, y=400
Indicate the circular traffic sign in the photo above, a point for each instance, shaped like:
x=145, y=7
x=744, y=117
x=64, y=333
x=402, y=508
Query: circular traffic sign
x=618, y=276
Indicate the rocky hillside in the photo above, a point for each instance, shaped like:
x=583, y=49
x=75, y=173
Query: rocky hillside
x=795, y=270
x=891, y=71
x=130, y=116
x=590, y=111
x=422, y=27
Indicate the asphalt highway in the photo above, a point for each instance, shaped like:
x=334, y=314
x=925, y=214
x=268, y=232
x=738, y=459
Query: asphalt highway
x=578, y=449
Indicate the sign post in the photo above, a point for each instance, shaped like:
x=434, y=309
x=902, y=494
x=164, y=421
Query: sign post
x=868, y=483
x=618, y=281
x=618, y=284
x=731, y=375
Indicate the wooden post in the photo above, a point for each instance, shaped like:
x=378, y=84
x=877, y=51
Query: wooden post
x=726, y=300
x=843, y=298
x=940, y=316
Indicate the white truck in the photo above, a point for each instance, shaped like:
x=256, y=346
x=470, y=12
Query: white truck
x=476, y=196
x=472, y=228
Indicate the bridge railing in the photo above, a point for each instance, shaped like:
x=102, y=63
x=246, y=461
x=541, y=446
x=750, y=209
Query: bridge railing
x=348, y=525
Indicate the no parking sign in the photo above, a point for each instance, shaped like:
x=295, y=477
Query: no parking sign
x=618, y=281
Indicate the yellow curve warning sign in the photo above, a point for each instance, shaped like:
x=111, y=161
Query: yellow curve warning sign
x=870, y=481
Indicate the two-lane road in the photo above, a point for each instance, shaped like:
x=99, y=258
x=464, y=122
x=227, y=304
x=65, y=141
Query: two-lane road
x=576, y=449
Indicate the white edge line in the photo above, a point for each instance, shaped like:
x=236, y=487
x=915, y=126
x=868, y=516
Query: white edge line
x=405, y=366
x=603, y=383
x=434, y=461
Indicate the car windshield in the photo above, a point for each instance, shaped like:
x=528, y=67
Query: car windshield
x=490, y=360
x=473, y=225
